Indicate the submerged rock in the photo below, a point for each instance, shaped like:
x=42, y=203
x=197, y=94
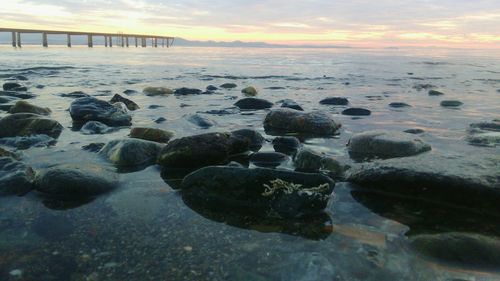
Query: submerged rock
x=385, y=144
x=75, y=95
x=27, y=124
x=253, y=104
x=200, y=121
x=187, y=91
x=96, y=128
x=157, y=91
x=93, y=147
x=151, y=134
x=6, y=153
x=201, y=150
x=252, y=137
x=288, y=103
x=435, y=93
x=414, y=131
x=130, y=104
x=268, y=159
x=228, y=85
x=211, y=88
x=131, y=152
x=451, y=103
x=287, y=145
x=335, y=101
x=25, y=107
x=354, y=111
x=7, y=100
x=26, y=142
x=15, y=177
x=82, y=180
x=87, y=109
x=484, y=134
x=19, y=95
x=399, y=104
x=261, y=190
x=293, y=121
x=308, y=266
x=249, y=91
x=13, y=86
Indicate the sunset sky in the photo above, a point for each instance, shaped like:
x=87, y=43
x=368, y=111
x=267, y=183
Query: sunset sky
x=448, y=23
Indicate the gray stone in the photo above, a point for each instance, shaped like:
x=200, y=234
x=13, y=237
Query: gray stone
x=131, y=152
x=268, y=159
x=355, y=111
x=253, y=104
x=435, y=93
x=335, y=101
x=187, y=91
x=157, y=91
x=451, y=103
x=283, y=120
x=15, y=177
x=13, y=86
x=249, y=91
x=96, y=128
x=399, y=104
x=385, y=144
x=87, y=109
x=200, y=121
x=228, y=85
x=151, y=134
x=252, y=137
x=27, y=124
x=25, y=107
x=287, y=145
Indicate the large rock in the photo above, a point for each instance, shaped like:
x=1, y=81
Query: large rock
x=87, y=109
x=253, y=104
x=27, y=124
x=157, y=91
x=470, y=180
x=484, y=134
x=287, y=145
x=15, y=177
x=151, y=134
x=82, y=180
x=131, y=152
x=252, y=137
x=25, y=107
x=201, y=150
x=129, y=103
x=292, y=121
x=307, y=160
x=385, y=144
x=260, y=190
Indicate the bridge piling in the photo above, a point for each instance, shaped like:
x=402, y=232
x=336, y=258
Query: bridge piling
x=19, y=39
x=14, y=39
x=89, y=41
x=45, y=41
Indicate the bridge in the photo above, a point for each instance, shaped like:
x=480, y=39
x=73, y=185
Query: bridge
x=121, y=39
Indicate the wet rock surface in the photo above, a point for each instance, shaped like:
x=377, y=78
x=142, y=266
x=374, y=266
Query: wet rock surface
x=249, y=91
x=355, y=111
x=92, y=109
x=484, y=134
x=157, y=91
x=268, y=159
x=19, y=95
x=228, y=86
x=293, y=121
x=129, y=103
x=451, y=103
x=334, y=101
x=96, y=128
x=187, y=91
x=253, y=104
x=288, y=103
x=287, y=145
x=27, y=124
x=200, y=120
x=131, y=152
x=25, y=107
x=151, y=134
x=254, y=139
x=15, y=177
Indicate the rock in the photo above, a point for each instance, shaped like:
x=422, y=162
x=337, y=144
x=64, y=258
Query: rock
x=160, y=120
x=7, y=100
x=252, y=137
x=307, y=160
x=292, y=121
x=268, y=159
x=187, y=91
x=228, y=85
x=6, y=153
x=15, y=177
x=335, y=101
x=69, y=181
x=399, y=104
x=451, y=103
x=420, y=87
x=200, y=121
x=467, y=250
x=26, y=142
x=414, y=131
x=288, y=103
x=286, y=145
x=96, y=128
x=25, y=107
x=130, y=104
x=262, y=191
x=470, y=180
x=75, y=95
x=87, y=109
x=94, y=147
x=19, y=95
x=151, y=134
x=13, y=86
x=155, y=106
x=224, y=111
x=131, y=152
x=354, y=111
x=435, y=93
x=27, y=124
x=253, y=104
x=129, y=92
x=385, y=144
x=201, y=150
x=249, y=91
x=157, y=91
x=212, y=88
x=484, y=134
x=20, y=77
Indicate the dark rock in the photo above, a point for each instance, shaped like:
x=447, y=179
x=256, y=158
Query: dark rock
x=20, y=77
x=292, y=121
x=224, y=111
x=268, y=159
x=399, y=104
x=252, y=137
x=249, y=91
x=435, y=93
x=6, y=153
x=131, y=152
x=130, y=104
x=75, y=95
x=335, y=101
x=27, y=124
x=307, y=160
x=356, y=112
x=451, y=103
x=288, y=103
x=82, y=180
x=7, y=100
x=228, y=85
x=26, y=142
x=155, y=106
x=96, y=128
x=157, y=91
x=87, y=109
x=93, y=147
x=259, y=191
x=13, y=86
x=151, y=134
x=15, y=177
x=25, y=107
x=19, y=95
x=385, y=144
x=286, y=145
x=484, y=134
x=200, y=121
x=187, y=91
x=275, y=88
x=414, y=131
x=212, y=88
x=253, y=104
x=130, y=92
x=201, y=150
x=160, y=120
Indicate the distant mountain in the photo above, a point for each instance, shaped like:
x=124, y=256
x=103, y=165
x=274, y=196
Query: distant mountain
x=241, y=44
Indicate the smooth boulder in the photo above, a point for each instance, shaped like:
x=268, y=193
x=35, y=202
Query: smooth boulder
x=131, y=152
x=25, y=107
x=15, y=177
x=249, y=91
x=129, y=103
x=254, y=139
x=27, y=124
x=292, y=121
x=451, y=103
x=334, y=101
x=268, y=159
x=87, y=109
x=200, y=120
x=253, y=104
x=286, y=145
x=228, y=85
x=151, y=134
x=288, y=103
x=356, y=111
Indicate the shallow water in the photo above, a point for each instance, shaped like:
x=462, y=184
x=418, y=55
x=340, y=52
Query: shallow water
x=145, y=231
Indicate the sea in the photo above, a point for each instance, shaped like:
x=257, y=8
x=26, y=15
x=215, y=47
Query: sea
x=145, y=231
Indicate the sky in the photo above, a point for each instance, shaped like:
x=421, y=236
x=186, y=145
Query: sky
x=362, y=23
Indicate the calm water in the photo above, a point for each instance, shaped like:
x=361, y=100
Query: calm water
x=144, y=230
